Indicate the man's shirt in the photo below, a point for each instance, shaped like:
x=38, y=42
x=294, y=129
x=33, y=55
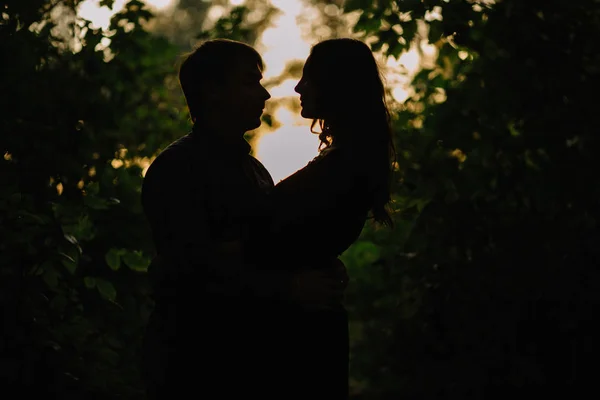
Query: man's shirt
x=199, y=192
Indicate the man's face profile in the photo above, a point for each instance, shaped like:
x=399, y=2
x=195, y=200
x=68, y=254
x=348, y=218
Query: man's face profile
x=243, y=97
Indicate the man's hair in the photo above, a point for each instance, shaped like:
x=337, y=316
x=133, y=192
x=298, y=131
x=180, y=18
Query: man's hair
x=212, y=61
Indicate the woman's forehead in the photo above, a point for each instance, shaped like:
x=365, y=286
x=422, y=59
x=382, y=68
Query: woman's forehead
x=308, y=64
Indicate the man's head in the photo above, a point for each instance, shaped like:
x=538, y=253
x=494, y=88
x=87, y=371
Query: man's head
x=221, y=83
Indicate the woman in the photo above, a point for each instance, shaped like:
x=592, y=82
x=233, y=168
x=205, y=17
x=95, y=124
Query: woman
x=319, y=211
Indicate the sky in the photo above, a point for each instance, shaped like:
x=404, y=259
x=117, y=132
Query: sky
x=291, y=146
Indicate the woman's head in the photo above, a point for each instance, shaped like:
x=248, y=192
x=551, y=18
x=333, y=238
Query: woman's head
x=340, y=81
x=342, y=89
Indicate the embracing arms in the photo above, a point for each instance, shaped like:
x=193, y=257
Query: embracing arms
x=175, y=204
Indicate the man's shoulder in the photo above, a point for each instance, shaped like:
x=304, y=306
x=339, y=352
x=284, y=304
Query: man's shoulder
x=175, y=156
x=256, y=162
x=177, y=149
x=260, y=168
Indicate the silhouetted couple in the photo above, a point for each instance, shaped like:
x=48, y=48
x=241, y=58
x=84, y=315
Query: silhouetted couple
x=248, y=286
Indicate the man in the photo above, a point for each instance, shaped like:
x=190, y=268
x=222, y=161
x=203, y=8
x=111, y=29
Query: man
x=204, y=195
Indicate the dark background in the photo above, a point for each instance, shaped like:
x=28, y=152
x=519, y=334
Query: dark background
x=486, y=288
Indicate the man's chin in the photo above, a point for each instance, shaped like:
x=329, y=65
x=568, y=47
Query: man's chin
x=254, y=124
x=306, y=114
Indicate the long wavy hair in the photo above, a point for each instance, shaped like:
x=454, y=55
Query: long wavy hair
x=353, y=112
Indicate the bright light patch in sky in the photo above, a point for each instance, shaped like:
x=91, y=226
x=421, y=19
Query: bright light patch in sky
x=216, y=12
x=282, y=42
x=286, y=88
x=292, y=145
x=100, y=16
x=160, y=4
x=288, y=149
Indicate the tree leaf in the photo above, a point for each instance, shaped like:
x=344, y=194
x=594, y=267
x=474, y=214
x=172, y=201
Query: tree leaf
x=68, y=262
x=113, y=259
x=136, y=261
x=89, y=282
x=106, y=289
x=71, y=239
x=436, y=31
x=107, y=3
x=95, y=203
x=409, y=29
x=354, y=5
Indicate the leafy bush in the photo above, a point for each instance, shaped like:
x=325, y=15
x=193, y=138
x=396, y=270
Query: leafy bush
x=78, y=122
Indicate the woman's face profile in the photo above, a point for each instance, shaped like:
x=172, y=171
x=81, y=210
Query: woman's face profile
x=308, y=94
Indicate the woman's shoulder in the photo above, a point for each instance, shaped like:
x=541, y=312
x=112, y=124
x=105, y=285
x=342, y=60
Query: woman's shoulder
x=337, y=166
x=331, y=154
x=345, y=159
x=334, y=167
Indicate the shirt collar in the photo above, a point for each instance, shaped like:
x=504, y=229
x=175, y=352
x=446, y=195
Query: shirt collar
x=237, y=148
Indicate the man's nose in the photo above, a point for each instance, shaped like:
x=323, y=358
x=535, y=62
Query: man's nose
x=266, y=94
x=297, y=88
